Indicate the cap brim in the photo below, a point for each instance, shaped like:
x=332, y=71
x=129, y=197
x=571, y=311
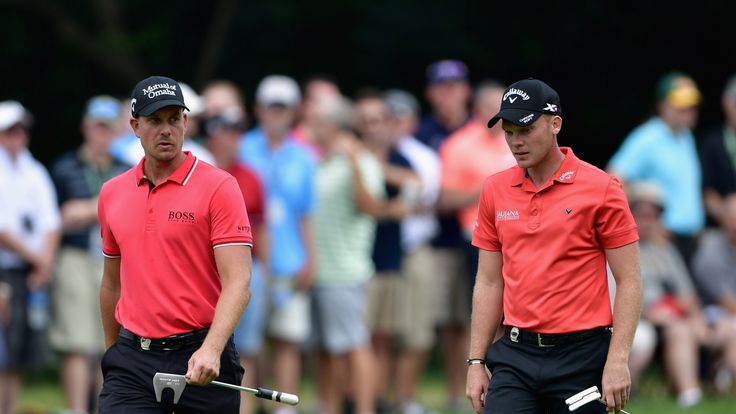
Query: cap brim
x=520, y=117
x=155, y=106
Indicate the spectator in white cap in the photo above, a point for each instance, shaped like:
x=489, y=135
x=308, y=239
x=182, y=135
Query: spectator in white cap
x=29, y=236
x=128, y=149
x=286, y=169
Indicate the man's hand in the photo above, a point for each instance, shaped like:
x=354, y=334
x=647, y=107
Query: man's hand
x=477, y=385
x=204, y=366
x=304, y=278
x=616, y=385
x=41, y=273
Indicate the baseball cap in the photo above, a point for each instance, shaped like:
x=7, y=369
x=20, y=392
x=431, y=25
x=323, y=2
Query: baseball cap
x=103, y=109
x=12, y=113
x=447, y=70
x=645, y=191
x=525, y=101
x=401, y=103
x=154, y=93
x=679, y=90
x=195, y=103
x=278, y=90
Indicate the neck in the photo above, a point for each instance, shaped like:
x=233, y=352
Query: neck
x=731, y=124
x=453, y=120
x=541, y=172
x=157, y=170
x=674, y=128
x=99, y=160
x=274, y=140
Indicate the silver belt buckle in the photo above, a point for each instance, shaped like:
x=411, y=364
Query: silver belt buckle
x=539, y=342
x=146, y=344
x=514, y=334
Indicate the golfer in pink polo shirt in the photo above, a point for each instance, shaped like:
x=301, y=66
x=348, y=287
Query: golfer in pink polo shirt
x=176, y=240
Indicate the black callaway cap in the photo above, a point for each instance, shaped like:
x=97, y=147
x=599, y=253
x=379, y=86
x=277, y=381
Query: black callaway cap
x=525, y=101
x=154, y=93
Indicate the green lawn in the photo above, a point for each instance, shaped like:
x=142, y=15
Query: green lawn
x=42, y=395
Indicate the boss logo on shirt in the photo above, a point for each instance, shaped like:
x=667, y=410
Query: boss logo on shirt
x=181, y=216
x=507, y=215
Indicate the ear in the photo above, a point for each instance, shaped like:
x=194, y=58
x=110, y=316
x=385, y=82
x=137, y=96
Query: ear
x=556, y=124
x=134, y=125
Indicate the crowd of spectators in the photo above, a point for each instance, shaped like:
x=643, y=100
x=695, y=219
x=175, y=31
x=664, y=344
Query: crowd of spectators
x=362, y=212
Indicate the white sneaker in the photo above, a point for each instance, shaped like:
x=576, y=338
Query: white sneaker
x=689, y=398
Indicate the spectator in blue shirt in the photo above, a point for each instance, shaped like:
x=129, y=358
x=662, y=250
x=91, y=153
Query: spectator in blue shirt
x=286, y=169
x=663, y=150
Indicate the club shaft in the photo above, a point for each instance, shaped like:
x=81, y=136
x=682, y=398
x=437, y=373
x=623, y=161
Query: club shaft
x=604, y=403
x=264, y=393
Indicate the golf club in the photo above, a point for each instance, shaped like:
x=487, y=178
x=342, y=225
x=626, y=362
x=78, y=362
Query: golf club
x=177, y=383
x=584, y=397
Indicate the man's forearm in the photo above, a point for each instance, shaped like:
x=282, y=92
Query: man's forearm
x=487, y=307
x=109, y=297
x=228, y=311
x=626, y=313
x=11, y=243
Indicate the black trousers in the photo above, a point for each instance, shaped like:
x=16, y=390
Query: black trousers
x=531, y=380
x=128, y=381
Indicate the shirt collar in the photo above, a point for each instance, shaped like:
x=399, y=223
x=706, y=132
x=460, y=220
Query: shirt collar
x=179, y=176
x=564, y=175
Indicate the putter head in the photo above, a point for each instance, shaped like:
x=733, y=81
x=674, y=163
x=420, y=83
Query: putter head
x=173, y=381
x=583, y=397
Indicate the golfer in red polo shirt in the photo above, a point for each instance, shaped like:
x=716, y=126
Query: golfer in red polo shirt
x=545, y=230
x=176, y=241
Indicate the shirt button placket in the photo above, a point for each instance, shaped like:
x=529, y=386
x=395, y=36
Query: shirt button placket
x=534, y=212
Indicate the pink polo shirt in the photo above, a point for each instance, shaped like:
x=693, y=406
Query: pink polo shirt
x=553, y=240
x=165, y=238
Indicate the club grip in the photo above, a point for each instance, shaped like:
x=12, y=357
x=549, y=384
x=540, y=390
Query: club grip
x=277, y=396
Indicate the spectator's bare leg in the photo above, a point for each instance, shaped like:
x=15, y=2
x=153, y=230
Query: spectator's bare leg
x=76, y=379
x=362, y=379
x=382, y=351
x=454, y=340
x=10, y=386
x=287, y=366
x=681, y=356
x=411, y=364
x=331, y=386
x=250, y=377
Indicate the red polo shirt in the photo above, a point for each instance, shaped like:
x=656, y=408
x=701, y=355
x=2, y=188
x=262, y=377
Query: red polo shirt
x=165, y=238
x=553, y=240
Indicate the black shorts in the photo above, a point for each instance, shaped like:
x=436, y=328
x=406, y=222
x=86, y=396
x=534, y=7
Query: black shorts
x=532, y=380
x=128, y=381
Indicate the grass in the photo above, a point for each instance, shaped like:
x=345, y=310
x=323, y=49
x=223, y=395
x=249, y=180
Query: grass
x=42, y=394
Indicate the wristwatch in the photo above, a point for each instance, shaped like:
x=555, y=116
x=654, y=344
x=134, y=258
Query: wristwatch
x=475, y=361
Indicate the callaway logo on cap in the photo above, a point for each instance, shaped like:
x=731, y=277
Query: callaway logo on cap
x=154, y=93
x=525, y=101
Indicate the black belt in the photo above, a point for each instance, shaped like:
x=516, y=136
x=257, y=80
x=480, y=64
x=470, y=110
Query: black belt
x=547, y=340
x=169, y=343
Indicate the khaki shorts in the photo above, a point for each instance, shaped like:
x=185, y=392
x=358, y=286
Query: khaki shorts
x=420, y=298
x=77, y=323
x=384, y=298
x=453, y=303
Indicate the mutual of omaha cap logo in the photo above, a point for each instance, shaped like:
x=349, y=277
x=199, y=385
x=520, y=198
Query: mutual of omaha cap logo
x=525, y=101
x=154, y=93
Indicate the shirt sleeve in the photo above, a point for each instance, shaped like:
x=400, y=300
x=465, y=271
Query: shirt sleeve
x=485, y=235
x=452, y=177
x=229, y=223
x=110, y=246
x=630, y=161
x=51, y=219
x=372, y=176
x=614, y=223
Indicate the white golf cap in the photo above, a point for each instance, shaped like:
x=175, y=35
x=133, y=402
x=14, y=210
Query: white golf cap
x=194, y=102
x=11, y=113
x=278, y=90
